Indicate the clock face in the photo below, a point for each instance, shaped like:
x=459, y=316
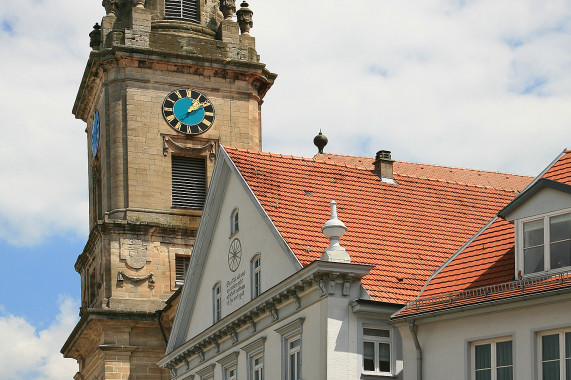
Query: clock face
x=188, y=111
x=95, y=133
x=234, y=255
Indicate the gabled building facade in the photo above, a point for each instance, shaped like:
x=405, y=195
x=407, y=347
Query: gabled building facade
x=500, y=307
x=271, y=292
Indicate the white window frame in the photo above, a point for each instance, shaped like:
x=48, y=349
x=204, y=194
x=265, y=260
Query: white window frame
x=493, y=354
x=290, y=333
x=234, y=222
x=562, y=354
x=206, y=373
x=256, y=275
x=217, y=302
x=520, y=263
x=376, y=340
x=255, y=350
x=229, y=366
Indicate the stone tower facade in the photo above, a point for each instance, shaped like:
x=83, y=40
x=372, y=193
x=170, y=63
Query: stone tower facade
x=147, y=180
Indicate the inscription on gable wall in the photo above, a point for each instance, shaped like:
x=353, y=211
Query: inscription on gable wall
x=235, y=288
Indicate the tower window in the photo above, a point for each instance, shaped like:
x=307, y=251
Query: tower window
x=181, y=264
x=188, y=10
x=188, y=182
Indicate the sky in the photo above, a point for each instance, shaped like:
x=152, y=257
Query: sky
x=482, y=84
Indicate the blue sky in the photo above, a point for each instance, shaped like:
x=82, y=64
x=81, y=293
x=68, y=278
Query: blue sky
x=482, y=84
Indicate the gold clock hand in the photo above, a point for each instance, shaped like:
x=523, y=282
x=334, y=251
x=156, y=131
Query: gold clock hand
x=195, y=105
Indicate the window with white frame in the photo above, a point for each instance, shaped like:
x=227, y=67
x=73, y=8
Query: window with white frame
x=377, y=350
x=294, y=358
x=229, y=365
x=555, y=355
x=217, y=302
x=255, y=359
x=492, y=360
x=256, y=276
x=234, y=225
x=545, y=243
x=257, y=367
x=291, y=349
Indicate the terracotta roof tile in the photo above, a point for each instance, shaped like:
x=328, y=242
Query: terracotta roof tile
x=406, y=230
x=488, y=261
x=494, y=180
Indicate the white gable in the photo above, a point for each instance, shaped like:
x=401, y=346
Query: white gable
x=544, y=201
x=210, y=264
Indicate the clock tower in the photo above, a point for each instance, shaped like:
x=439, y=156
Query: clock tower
x=167, y=81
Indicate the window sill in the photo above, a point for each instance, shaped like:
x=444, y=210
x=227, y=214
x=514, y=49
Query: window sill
x=547, y=273
x=377, y=375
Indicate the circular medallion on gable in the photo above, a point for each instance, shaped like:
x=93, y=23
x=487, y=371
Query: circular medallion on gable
x=234, y=255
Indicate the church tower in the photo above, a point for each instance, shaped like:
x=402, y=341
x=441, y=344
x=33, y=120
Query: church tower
x=166, y=82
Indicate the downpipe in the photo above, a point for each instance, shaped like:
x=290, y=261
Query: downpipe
x=412, y=328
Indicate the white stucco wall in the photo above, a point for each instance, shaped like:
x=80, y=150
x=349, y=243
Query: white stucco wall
x=255, y=237
x=446, y=340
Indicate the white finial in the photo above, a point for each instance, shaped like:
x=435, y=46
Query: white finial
x=334, y=229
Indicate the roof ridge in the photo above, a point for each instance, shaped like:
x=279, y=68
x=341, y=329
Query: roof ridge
x=433, y=165
x=458, y=183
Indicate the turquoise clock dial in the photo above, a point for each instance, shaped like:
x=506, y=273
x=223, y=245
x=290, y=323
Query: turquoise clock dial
x=188, y=111
x=95, y=133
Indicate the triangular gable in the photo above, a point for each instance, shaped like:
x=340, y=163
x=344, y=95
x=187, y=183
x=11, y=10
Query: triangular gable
x=226, y=182
x=537, y=187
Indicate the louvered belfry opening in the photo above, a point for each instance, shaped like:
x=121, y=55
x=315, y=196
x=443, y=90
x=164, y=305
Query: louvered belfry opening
x=188, y=10
x=188, y=182
x=181, y=268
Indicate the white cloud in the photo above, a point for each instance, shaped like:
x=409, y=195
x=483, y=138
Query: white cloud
x=26, y=353
x=483, y=84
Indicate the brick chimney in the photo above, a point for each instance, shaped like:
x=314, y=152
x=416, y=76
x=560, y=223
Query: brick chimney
x=384, y=164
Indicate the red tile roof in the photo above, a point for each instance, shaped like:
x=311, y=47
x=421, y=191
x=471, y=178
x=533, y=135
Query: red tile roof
x=488, y=262
x=493, y=180
x=406, y=230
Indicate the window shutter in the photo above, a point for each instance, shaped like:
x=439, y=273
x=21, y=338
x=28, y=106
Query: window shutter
x=188, y=182
x=188, y=10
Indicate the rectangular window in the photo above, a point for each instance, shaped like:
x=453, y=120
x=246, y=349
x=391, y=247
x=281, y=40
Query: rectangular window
x=188, y=182
x=181, y=266
x=555, y=356
x=257, y=365
x=294, y=358
x=188, y=10
x=377, y=350
x=291, y=349
x=217, y=302
x=546, y=243
x=231, y=373
x=492, y=360
x=256, y=276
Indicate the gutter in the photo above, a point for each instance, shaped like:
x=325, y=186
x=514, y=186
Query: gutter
x=412, y=328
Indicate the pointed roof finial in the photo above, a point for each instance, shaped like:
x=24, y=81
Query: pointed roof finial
x=334, y=229
x=320, y=141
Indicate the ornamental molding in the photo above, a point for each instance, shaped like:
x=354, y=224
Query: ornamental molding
x=121, y=277
x=312, y=276
x=209, y=147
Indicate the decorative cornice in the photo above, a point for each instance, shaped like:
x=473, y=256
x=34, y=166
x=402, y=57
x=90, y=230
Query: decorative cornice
x=211, y=147
x=315, y=273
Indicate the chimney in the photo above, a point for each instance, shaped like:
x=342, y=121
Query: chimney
x=384, y=164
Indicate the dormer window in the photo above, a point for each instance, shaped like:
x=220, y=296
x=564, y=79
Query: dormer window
x=187, y=10
x=234, y=228
x=545, y=243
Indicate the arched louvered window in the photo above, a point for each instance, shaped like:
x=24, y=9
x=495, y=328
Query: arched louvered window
x=188, y=10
